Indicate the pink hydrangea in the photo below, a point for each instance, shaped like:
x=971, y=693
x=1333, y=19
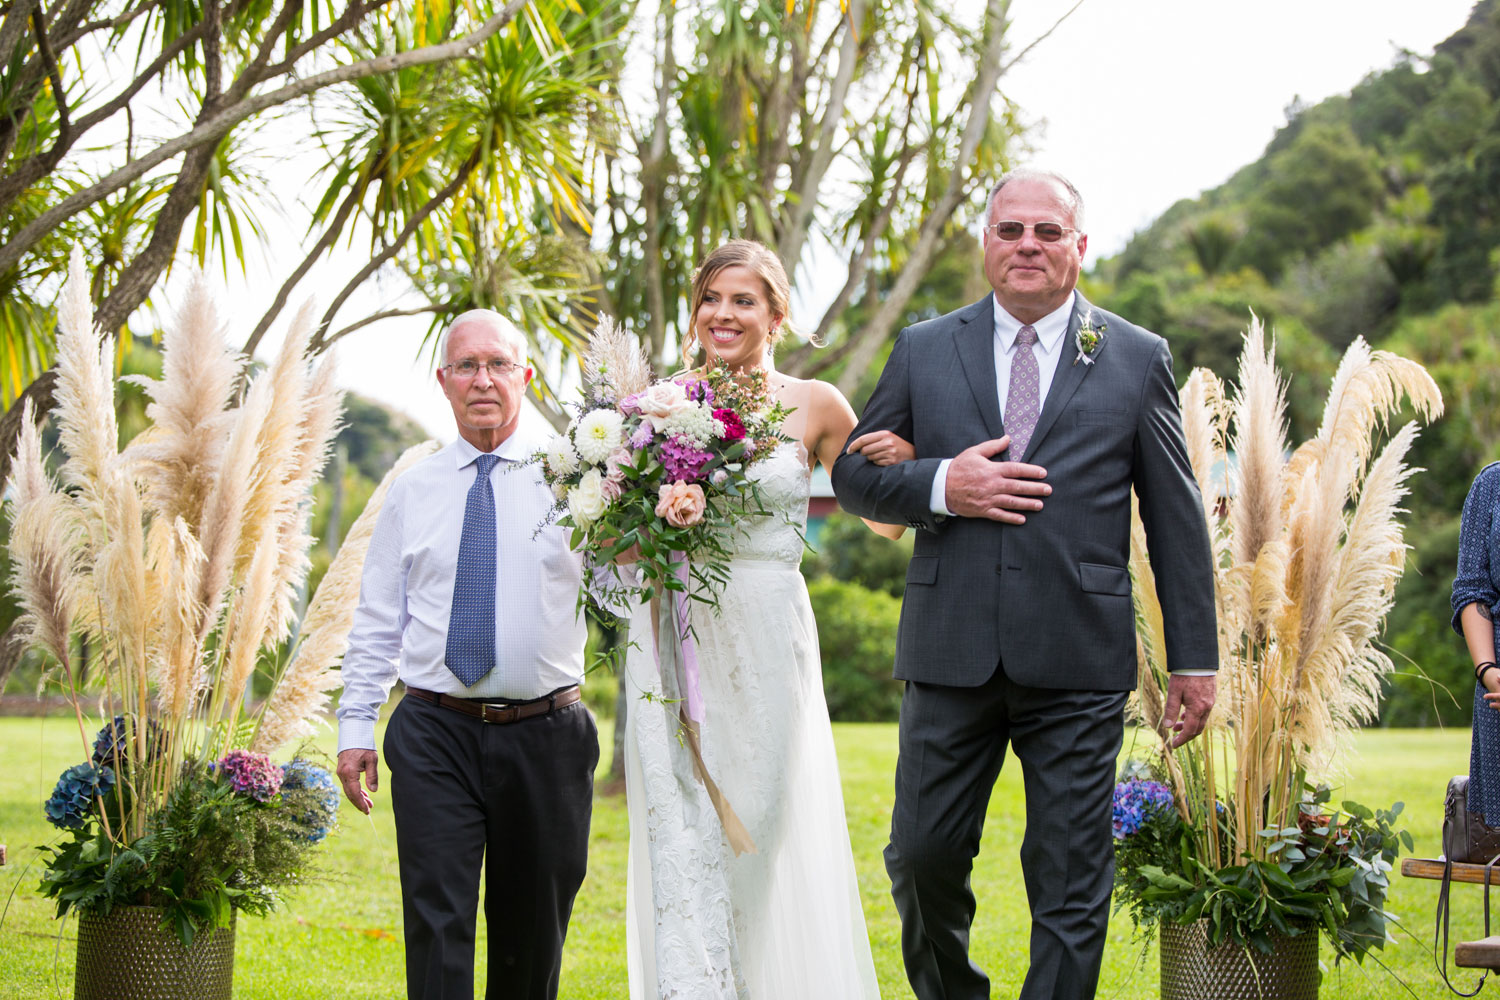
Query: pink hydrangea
x=681, y=460
x=251, y=774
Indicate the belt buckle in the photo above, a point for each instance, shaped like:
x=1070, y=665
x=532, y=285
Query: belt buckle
x=500, y=714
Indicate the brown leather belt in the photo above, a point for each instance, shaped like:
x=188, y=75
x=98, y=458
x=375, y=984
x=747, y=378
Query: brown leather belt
x=500, y=714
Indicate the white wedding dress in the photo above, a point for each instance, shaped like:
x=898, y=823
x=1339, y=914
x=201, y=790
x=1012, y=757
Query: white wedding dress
x=783, y=923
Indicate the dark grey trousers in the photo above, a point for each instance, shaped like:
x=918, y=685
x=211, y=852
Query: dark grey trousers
x=516, y=797
x=953, y=742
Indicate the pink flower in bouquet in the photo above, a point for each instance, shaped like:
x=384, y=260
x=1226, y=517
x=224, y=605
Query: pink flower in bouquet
x=614, y=474
x=681, y=504
x=719, y=478
x=251, y=774
x=682, y=460
x=662, y=400
x=734, y=428
x=630, y=405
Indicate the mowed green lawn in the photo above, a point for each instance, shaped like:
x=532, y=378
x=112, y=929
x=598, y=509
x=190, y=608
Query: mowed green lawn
x=343, y=938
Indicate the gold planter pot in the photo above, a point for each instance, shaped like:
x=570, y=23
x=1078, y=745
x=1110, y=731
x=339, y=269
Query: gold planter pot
x=1191, y=970
x=126, y=955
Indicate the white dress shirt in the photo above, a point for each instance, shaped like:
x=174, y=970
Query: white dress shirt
x=1051, y=331
x=401, y=625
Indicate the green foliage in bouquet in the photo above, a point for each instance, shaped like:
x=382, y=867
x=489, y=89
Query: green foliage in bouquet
x=1308, y=554
x=176, y=563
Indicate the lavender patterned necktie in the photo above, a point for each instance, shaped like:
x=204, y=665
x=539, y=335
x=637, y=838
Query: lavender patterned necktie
x=1023, y=403
x=470, y=652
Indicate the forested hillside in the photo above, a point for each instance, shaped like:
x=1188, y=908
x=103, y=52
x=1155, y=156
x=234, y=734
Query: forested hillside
x=1374, y=214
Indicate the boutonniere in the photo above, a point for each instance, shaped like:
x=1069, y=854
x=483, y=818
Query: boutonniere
x=1087, y=338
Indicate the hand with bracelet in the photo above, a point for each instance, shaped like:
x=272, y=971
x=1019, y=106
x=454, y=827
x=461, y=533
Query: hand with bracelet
x=1478, y=632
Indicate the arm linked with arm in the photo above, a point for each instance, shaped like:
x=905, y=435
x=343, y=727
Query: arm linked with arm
x=894, y=494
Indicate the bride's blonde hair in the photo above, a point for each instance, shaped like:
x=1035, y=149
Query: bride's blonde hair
x=752, y=256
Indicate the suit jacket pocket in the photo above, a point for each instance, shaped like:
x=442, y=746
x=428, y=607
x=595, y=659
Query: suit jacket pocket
x=1097, y=578
x=922, y=569
x=1094, y=417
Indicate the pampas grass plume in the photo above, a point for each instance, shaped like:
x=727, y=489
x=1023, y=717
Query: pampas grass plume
x=302, y=693
x=615, y=360
x=178, y=456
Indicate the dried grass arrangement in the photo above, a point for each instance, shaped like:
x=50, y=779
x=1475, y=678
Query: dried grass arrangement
x=1308, y=558
x=178, y=559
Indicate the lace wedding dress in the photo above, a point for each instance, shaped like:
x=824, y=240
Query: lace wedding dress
x=783, y=923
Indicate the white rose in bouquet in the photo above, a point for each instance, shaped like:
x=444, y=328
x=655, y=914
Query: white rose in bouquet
x=663, y=400
x=586, y=501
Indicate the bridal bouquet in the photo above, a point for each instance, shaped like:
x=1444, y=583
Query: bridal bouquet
x=661, y=466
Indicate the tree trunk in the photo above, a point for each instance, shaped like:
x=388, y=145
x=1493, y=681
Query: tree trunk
x=874, y=333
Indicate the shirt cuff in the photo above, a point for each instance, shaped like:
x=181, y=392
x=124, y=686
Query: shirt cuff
x=938, y=500
x=1195, y=673
x=356, y=734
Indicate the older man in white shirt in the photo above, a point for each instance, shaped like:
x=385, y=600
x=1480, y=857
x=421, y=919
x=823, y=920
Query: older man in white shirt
x=492, y=753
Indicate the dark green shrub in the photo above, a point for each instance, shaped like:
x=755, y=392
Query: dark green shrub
x=847, y=550
x=857, y=636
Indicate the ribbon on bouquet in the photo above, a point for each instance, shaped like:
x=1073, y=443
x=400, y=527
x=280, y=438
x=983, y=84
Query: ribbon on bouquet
x=677, y=662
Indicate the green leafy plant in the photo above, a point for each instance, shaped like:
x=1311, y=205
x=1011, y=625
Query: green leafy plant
x=1332, y=871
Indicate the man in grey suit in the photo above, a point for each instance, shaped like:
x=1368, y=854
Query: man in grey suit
x=1017, y=627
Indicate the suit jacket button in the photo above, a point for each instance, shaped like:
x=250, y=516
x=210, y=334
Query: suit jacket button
x=999, y=569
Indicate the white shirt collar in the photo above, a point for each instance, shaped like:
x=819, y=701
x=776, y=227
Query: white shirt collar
x=1049, y=329
x=526, y=440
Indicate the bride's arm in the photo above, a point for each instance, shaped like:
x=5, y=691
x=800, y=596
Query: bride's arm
x=830, y=422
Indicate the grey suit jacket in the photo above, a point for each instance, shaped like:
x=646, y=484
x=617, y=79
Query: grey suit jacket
x=1050, y=599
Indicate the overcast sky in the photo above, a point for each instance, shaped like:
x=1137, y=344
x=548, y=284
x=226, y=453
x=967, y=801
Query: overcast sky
x=1140, y=102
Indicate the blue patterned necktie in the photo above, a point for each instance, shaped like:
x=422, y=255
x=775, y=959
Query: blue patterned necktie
x=1023, y=402
x=471, y=624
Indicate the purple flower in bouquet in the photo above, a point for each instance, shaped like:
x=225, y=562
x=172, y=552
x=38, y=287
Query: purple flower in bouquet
x=630, y=405
x=699, y=391
x=1136, y=803
x=251, y=774
x=734, y=427
x=643, y=435
x=682, y=460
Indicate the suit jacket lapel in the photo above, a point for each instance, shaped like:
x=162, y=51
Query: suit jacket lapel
x=975, y=341
x=1069, y=375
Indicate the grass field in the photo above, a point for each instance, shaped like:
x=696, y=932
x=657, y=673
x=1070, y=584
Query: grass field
x=343, y=938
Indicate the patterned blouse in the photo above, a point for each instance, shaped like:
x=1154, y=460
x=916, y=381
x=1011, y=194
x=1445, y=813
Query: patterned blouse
x=1478, y=576
x=1478, y=581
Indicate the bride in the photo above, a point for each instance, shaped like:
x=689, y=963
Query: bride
x=784, y=921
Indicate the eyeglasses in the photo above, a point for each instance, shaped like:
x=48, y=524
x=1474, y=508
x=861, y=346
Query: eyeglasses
x=497, y=367
x=1010, y=230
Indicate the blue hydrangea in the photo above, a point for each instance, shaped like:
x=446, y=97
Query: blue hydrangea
x=313, y=795
x=110, y=747
x=73, y=798
x=1137, y=803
